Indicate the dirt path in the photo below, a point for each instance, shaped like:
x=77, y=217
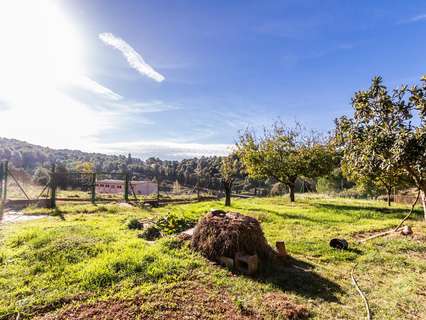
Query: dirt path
x=18, y=216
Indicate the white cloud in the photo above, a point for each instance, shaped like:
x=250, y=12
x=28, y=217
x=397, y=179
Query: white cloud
x=94, y=87
x=134, y=59
x=420, y=17
x=150, y=107
x=170, y=150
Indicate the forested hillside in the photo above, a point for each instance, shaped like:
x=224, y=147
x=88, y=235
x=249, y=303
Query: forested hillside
x=205, y=170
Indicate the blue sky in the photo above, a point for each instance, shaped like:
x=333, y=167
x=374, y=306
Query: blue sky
x=226, y=65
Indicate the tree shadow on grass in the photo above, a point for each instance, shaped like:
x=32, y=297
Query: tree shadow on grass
x=293, y=216
x=389, y=211
x=58, y=213
x=299, y=277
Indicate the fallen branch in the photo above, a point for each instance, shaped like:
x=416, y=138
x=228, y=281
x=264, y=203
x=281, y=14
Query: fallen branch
x=364, y=298
x=377, y=235
x=399, y=225
x=409, y=214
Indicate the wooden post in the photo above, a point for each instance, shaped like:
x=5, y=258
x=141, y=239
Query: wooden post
x=1, y=188
x=198, y=188
x=158, y=189
x=6, y=173
x=93, y=187
x=53, y=187
x=126, y=187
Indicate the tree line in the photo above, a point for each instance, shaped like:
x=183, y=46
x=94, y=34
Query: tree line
x=382, y=146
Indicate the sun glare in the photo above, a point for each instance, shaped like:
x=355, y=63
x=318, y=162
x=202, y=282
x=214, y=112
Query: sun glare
x=42, y=53
x=40, y=42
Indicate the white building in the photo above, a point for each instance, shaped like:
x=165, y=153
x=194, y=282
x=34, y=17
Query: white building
x=117, y=186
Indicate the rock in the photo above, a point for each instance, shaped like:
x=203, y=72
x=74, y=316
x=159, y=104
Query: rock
x=226, y=262
x=341, y=244
x=186, y=235
x=125, y=205
x=406, y=230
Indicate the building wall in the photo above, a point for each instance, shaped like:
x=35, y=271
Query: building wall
x=145, y=187
x=112, y=188
x=140, y=187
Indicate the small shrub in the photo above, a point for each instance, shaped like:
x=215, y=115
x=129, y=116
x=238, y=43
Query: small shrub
x=134, y=224
x=151, y=233
x=113, y=209
x=171, y=224
x=102, y=209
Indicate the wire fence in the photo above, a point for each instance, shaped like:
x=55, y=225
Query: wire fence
x=48, y=186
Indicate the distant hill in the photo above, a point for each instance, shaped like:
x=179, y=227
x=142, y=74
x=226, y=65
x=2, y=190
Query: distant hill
x=205, y=170
x=29, y=156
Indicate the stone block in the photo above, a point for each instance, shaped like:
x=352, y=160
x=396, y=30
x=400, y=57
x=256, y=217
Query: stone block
x=245, y=263
x=226, y=262
x=282, y=252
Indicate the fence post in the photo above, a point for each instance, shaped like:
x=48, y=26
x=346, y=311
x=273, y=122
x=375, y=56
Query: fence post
x=93, y=186
x=158, y=189
x=1, y=188
x=126, y=187
x=53, y=187
x=198, y=188
x=6, y=173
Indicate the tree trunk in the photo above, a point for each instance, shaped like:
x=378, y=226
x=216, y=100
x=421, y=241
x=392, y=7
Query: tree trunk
x=389, y=195
x=227, y=188
x=423, y=197
x=291, y=187
x=227, y=197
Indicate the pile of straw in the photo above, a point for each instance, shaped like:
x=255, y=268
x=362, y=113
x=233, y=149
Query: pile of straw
x=224, y=234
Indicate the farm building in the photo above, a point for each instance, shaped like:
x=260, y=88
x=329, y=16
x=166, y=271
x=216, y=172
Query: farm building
x=117, y=186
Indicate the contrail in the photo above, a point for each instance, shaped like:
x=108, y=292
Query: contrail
x=134, y=59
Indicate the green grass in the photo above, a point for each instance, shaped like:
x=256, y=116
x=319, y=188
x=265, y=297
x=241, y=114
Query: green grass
x=86, y=253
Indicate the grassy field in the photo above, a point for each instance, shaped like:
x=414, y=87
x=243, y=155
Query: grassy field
x=83, y=262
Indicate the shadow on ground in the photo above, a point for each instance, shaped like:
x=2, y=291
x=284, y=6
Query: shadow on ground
x=292, y=216
x=393, y=212
x=299, y=277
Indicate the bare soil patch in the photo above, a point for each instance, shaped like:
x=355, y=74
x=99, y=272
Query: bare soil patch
x=280, y=306
x=186, y=300
x=15, y=216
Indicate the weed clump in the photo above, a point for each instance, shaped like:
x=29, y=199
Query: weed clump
x=150, y=233
x=134, y=224
x=172, y=224
x=166, y=225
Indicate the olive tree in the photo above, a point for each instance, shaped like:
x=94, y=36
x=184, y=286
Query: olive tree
x=386, y=137
x=284, y=154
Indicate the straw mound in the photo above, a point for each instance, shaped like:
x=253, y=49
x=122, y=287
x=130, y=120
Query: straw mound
x=224, y=234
